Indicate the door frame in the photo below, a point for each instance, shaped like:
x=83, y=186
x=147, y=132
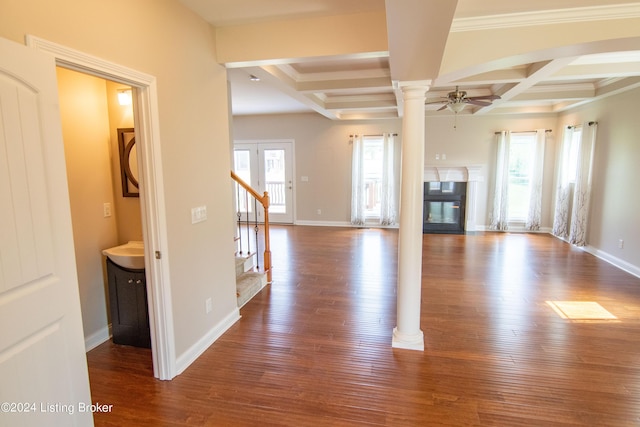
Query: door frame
x=154, y=225
x=293, y=165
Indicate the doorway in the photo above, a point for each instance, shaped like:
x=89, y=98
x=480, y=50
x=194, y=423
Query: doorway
x=153, y=216
x=105, y=211
x=267, y=166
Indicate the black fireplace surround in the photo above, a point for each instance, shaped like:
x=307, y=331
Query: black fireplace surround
x=444, y=204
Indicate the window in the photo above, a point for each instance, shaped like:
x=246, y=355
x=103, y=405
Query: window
x=373, y=179
x=521, y=154
x=517, y=196
x=571, y=166
x=372, y=170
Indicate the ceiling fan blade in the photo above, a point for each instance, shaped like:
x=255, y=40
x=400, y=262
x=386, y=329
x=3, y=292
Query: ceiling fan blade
x=488, y=97
x=442, y=108
x=477, y=102
x=444, y=100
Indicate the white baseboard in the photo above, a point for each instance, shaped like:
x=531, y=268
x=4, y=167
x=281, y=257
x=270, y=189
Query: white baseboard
x=189, y=356
x=513, y=229
x=341, y=224
x=97, y=338
x=616, y=262
x=607, y=257
x=324, y=223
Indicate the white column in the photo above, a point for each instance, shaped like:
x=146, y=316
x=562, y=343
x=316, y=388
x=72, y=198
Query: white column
x=407, y=334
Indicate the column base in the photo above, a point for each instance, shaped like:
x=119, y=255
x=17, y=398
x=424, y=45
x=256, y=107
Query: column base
x=406, y=341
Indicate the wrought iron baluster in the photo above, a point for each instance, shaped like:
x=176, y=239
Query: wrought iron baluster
x=247, y=224
x=256, y=228
x=239, y=213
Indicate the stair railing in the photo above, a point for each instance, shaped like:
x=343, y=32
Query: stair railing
x=264, y=201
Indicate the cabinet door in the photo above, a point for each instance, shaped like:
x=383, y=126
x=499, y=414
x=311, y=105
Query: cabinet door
x=128, y=301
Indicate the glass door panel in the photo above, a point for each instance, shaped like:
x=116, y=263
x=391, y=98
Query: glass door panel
x=242, y=168
x=275, y=179
x=267, y=167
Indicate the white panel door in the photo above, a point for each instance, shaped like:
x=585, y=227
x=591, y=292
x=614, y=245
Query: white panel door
x=42, y=361
x=267, y=166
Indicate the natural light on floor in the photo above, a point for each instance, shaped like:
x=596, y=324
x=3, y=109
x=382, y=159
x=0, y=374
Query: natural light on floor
x=586, y=311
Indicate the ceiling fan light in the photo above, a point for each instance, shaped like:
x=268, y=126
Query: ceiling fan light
x=456, y=107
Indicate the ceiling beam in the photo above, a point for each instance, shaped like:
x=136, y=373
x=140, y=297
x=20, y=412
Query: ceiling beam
x=348, y=85
x=597, y=71
x=278, y=79
x=266, y=43
x=418, y=32
x=536, y=73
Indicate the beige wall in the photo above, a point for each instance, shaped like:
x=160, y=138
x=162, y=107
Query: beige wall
x=85, y=127
x=323, y=154
x=615, y=200
x=166, y=40
x=128, y=216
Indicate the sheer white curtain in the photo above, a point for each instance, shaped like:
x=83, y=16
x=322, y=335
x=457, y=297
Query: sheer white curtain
x=582, y=189
x=388, y=210
x=358, y=196
x=535, y=182
x=499, y=220
x=570, y=217
x=563, y=187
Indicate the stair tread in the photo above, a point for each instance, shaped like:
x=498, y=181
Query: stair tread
x=248, y=284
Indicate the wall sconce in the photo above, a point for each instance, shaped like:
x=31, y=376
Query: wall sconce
x=124, y=97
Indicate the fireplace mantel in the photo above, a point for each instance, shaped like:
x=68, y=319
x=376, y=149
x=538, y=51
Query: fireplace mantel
x=469, y=174
x=452, y=173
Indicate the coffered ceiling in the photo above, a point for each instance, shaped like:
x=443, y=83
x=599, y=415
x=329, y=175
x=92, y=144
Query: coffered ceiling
x=363, y=88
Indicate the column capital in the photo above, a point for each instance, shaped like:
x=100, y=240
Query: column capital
x=415, y=89
x=414, y=85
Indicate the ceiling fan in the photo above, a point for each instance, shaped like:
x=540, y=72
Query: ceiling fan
x=457, y=100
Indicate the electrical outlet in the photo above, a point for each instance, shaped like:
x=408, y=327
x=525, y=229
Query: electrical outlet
x=437, y=156
x=106, y=210
x=208, y=305
x=319, y=211
x=621, y=244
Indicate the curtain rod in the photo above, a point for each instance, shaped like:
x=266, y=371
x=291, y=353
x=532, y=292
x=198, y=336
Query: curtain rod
x=590, y=124
x=380, y=134
x=523, y=131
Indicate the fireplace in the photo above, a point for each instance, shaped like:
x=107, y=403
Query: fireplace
x=451, y=193
x=444, y=207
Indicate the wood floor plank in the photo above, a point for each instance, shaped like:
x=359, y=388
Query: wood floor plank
x=314, y=348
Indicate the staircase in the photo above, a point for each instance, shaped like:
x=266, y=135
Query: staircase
x=248, y=281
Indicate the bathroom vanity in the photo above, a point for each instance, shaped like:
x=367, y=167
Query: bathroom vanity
x=128, y=298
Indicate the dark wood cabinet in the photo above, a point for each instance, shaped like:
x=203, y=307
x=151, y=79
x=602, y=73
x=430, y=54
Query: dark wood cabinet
x=128, y=306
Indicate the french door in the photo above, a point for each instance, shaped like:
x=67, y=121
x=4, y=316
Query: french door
x=266, y=166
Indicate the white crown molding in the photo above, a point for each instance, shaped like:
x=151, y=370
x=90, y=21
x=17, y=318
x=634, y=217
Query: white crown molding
x=547, y=17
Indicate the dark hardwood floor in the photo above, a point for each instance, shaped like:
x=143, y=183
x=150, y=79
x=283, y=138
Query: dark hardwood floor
x=314, y=348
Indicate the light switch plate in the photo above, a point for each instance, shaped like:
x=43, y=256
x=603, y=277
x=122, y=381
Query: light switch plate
x=198, y=214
